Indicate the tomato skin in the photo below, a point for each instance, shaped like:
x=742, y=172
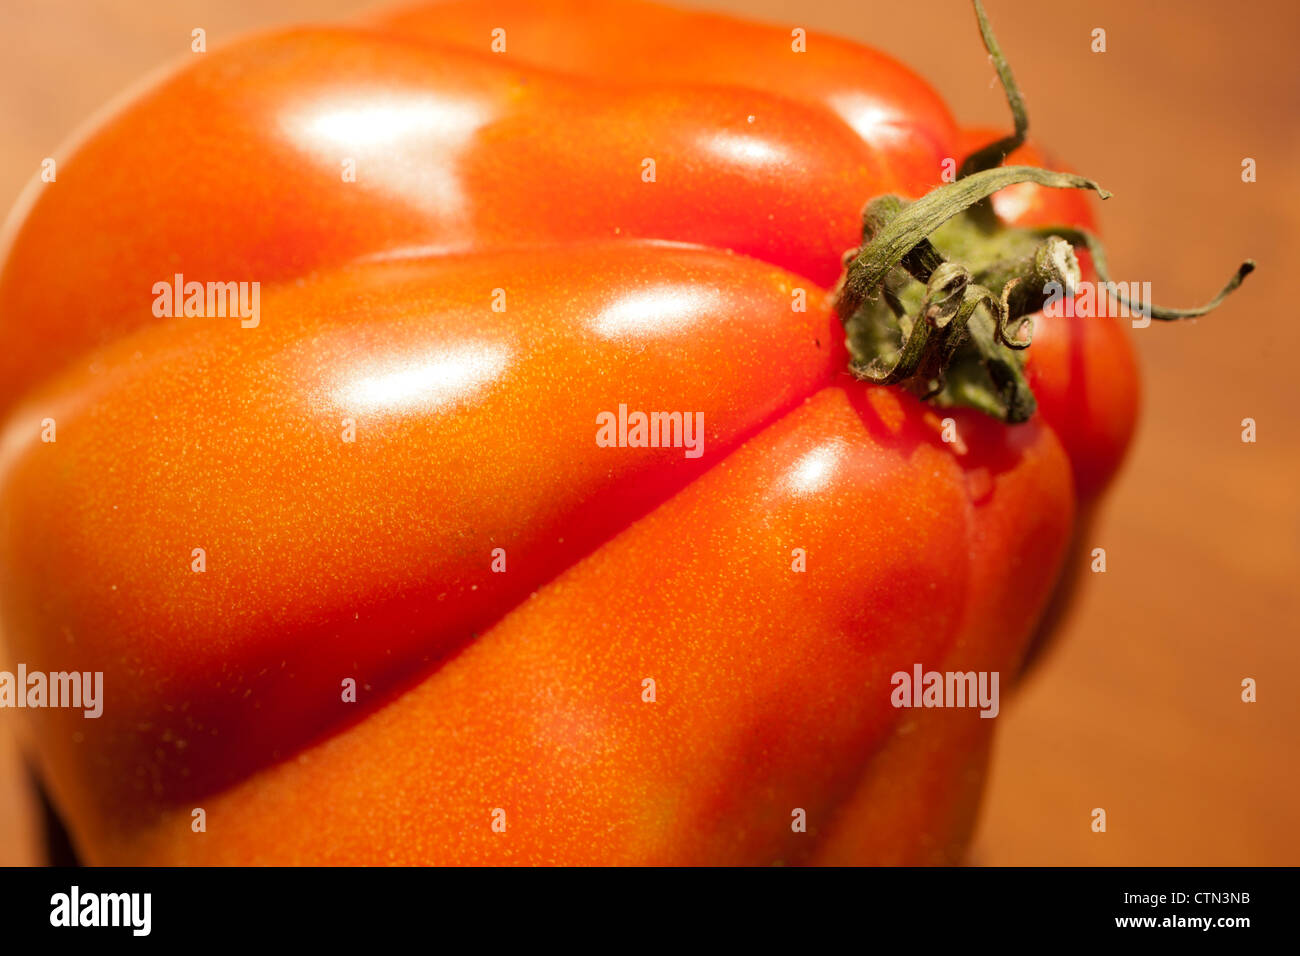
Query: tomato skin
x=1084, y=372
x=878, y=98
x=236, y=161
x=543, y=716
x=235, y=440
x=330, y=560
x=928, y=778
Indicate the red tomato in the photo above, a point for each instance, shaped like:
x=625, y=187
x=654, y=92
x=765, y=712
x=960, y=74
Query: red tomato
x=562, y=652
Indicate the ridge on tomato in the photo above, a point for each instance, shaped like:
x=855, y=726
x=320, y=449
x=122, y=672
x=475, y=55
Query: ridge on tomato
x=434, y=619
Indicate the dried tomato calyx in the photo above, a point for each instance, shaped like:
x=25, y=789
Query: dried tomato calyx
x=937, y=298
x=939, y=295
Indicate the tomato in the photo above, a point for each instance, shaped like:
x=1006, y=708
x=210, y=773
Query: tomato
x=363, y=581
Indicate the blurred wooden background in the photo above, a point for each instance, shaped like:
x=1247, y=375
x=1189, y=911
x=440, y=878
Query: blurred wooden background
x=1137, y=707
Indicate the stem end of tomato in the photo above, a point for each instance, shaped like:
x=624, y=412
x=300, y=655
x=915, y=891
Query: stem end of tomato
x=939, y=297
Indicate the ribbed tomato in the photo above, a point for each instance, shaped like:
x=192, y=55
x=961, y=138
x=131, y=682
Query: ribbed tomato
x=391, y=471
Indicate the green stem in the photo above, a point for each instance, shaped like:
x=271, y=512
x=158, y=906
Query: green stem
x=939, y=298
x=1083, y=237
x=995, y=152
x=892, y=240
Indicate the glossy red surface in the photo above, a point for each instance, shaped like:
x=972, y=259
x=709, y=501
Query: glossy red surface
x=370, y=560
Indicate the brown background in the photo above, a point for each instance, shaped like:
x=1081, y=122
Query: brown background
x=1137, y=707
